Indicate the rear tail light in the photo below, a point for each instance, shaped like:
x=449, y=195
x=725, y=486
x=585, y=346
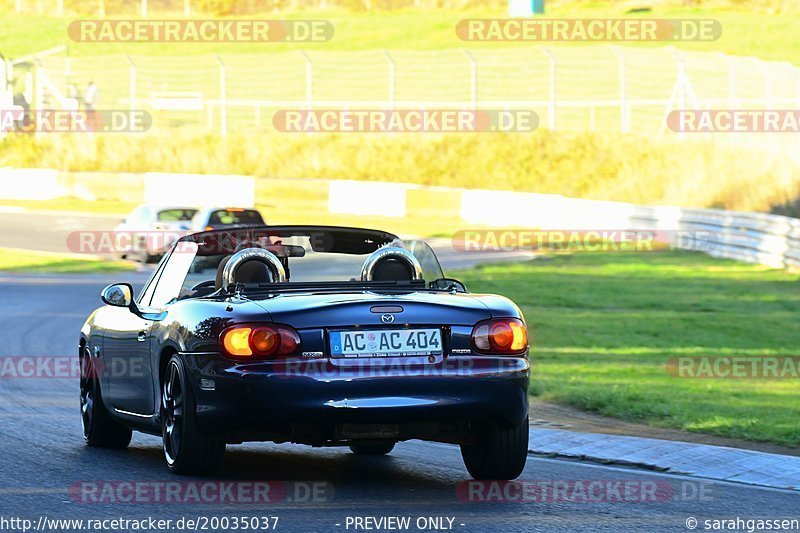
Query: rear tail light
x=263, y=341
x=502, y=336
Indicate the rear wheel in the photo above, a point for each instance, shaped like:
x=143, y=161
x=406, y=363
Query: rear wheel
x=99, y=429
x=186, y=449
x=499, y=453
x=381, y=448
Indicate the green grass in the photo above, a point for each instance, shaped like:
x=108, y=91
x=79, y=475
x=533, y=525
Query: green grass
x=14, y=260
x=746, y=31
x=604, y=325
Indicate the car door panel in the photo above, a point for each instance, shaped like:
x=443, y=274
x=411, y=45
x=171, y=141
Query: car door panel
x=127, y=363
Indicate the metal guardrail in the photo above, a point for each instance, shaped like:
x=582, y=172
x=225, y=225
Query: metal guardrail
x=772, y=240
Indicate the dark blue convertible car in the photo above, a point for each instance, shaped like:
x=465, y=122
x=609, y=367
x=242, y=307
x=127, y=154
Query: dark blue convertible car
x=325, y=336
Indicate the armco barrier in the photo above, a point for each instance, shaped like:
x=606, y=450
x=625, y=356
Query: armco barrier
x=771, y=240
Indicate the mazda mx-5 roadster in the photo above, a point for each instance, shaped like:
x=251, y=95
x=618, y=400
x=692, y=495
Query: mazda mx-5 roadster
x=325, y=336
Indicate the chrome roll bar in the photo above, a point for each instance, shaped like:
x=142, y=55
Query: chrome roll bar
x=394, y=252
x=252, y=254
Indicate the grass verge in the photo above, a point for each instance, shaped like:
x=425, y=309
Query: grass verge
x=604, y=325
x=15, y=260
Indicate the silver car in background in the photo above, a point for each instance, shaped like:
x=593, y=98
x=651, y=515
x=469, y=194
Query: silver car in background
x=150, y=230
x=211, y=218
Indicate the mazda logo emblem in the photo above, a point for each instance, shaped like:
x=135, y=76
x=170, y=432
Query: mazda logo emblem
x=387, y=319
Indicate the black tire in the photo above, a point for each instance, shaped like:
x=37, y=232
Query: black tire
x=500, y=452
x=186, y=450
x=372, y=449
x=99, y=429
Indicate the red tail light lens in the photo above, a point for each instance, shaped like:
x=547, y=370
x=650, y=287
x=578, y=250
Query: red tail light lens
x=254, y=342
x=503, y=336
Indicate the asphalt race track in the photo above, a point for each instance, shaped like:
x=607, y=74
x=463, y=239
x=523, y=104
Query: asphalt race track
x=47, y=231
x=42, y=456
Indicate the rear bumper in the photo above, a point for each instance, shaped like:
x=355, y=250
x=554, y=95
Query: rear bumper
x=252, y=398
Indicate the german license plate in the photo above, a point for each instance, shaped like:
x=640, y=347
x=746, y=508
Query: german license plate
x=386, y=343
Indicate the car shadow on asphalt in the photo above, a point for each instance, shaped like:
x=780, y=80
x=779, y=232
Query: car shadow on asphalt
x=300, y=463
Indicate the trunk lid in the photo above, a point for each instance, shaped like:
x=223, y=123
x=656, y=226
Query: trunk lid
x=335, y=310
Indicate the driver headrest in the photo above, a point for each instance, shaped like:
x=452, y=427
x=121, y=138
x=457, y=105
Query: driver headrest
x=253, y=271
x=251, y=265
x=391, y=263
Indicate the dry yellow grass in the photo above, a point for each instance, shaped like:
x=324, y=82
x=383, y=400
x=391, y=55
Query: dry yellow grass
x=586, y=165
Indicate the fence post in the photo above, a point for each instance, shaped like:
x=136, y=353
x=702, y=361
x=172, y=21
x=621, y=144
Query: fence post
x=18, y=6
x=102, y=8
x=551, y=113
x=37, y=100
x=392, y=78
x=473, y=79
x=767, y=73
x=60, y=8
x=223, y=99
x=797, y=90
x=131, y=83
x=685, y=92
x=797, y=86
x=624, y=105
x=309, y=81
x=731, y=80
x=187, y=8
x=144, y=8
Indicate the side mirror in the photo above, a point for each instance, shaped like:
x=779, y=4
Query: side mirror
x=449, y=284
x=118, y=295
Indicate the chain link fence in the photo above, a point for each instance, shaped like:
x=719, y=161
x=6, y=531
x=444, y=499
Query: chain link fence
x=577, y=88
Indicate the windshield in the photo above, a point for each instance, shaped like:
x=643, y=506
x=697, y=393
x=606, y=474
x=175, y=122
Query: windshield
x=176, y=215
x=235, y=217
x=316, y=255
